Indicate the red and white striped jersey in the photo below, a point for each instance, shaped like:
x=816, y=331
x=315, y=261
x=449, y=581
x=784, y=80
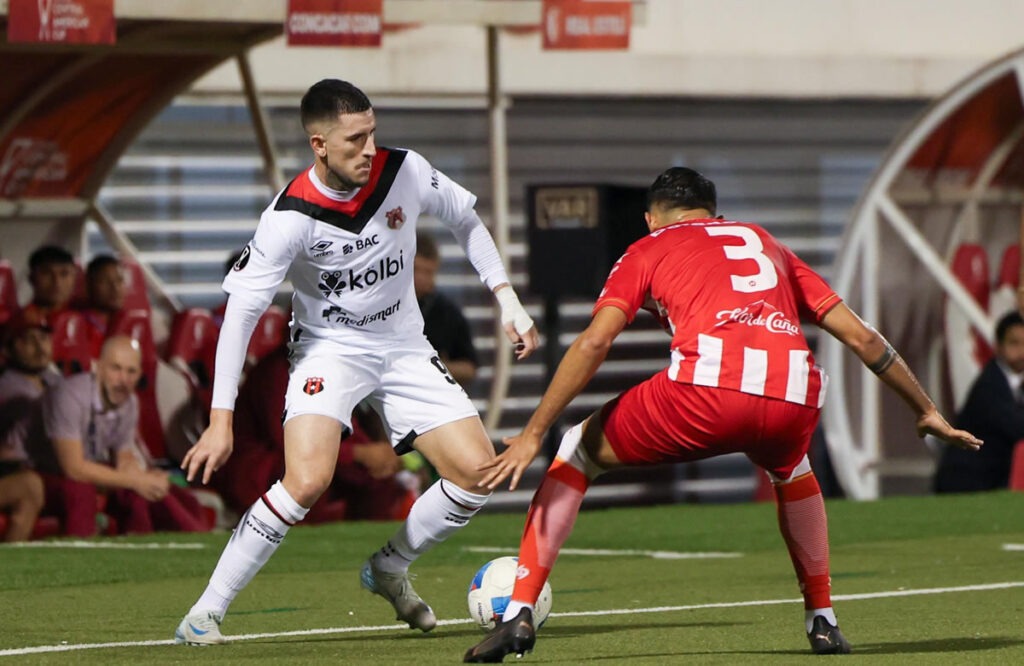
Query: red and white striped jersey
x=732, y=296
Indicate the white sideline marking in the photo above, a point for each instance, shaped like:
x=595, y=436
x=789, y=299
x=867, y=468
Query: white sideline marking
x=615, y=611
x=1013, y=546
x=656, y=554
x=108, y=545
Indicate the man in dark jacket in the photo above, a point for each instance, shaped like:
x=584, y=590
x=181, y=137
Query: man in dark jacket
x=994, y=411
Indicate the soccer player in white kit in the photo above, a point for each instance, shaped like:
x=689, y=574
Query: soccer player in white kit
x=344, y=233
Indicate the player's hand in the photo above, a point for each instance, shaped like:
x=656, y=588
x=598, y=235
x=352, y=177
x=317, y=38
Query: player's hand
x=518, y=325
x=525, y=344
x=378, y=458
x=212, y=450
x=932, y=423
x=513, y=461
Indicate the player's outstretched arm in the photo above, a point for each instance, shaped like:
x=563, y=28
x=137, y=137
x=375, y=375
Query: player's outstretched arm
x=879, y=356
x=214, y=447
x=581, y=361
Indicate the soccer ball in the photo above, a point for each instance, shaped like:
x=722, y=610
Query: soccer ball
x=490, y=592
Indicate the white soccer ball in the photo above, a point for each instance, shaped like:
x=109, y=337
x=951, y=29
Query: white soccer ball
x=490, y=592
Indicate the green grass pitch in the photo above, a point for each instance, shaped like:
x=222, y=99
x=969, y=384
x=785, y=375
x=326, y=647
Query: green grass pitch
x=738, y=610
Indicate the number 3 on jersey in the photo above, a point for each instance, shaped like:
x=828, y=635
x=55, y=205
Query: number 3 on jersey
x=766, y=278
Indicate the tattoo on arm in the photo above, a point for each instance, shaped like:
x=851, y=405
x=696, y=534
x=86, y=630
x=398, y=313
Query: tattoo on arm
x=887, y=358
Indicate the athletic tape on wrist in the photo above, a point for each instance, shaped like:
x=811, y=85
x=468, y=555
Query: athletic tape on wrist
x=512, y=310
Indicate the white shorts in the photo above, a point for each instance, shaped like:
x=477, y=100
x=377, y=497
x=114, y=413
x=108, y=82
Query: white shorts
x=409, y=387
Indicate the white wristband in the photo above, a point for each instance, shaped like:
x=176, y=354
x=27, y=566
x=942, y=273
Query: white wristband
x=512, y=310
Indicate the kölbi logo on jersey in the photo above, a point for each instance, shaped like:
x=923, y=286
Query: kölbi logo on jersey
x=332, y=283
x=775, y=321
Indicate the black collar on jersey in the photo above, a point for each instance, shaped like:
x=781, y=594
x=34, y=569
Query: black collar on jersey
x=353, y=215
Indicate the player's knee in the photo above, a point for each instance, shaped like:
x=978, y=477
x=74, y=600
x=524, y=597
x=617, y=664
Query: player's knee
x=307, y=486
x=572, y=451
x=802, y=467
x=470, y=499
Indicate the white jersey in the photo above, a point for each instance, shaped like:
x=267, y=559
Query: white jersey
x=350, y=260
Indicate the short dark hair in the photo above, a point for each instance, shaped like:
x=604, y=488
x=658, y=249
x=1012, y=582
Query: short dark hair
x=1008, y=321
x=681, y=187
x=98, y=263
x=330, y=98
x=49, y=254
x=426, y=246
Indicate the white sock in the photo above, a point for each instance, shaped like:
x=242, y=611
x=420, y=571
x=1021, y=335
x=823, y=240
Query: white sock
x=829, y=614
x=513, y=609
x=256, y=537
x=438, y=513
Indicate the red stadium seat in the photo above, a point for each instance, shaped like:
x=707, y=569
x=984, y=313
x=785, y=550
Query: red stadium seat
x=967, y=350
x=270, y=333
x=1009, y=267
x=72, y=345
x=135, y=323
x=192, y=348
x=8, y=292
x=135, y=296
x=1004, y=292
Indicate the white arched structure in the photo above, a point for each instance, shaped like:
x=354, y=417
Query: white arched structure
x=953, y=181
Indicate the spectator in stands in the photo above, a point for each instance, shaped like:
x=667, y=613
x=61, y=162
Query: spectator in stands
x=91, y=420
x=51, y=272
x=29, y=375
x=104, y=293
x=994, y=411
x=364, y=478
x=443, y=322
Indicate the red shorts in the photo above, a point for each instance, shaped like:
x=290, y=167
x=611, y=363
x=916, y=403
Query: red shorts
x=662, y=421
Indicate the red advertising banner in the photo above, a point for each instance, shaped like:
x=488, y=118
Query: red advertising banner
x=61, y=21
x=334, y=22
x=586, y=24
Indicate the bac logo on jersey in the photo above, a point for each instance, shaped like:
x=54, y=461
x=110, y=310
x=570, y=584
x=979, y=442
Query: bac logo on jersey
x=313, y=385
x=243, y=259
x=360, y=244
x=319, y=248
x=396, y=218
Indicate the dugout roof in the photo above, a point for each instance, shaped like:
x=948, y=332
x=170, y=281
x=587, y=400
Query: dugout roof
x=953, y=181
x=68, y=111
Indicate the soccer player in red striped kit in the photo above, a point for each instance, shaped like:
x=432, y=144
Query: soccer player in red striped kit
x=741, y=379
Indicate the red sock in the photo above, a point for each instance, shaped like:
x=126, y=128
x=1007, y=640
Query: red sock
x=803, y=524
x=548, y=524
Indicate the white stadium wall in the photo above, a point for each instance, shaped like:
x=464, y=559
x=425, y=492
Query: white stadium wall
x=733, y=48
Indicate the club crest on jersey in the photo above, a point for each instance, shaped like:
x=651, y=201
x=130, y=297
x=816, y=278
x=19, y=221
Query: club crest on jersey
x=396, y=218
x=313, y=385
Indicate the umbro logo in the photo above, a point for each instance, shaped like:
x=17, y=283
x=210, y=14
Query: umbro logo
x=319, y=249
